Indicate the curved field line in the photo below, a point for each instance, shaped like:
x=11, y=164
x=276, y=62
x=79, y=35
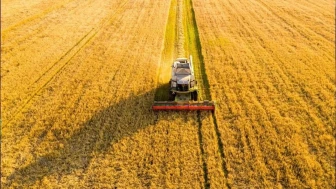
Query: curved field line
x=99, y=28
x=81, y=44
x=65, y=59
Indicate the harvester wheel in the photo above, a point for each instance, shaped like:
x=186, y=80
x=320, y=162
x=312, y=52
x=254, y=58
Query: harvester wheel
x=171, y=96
x=194, y=96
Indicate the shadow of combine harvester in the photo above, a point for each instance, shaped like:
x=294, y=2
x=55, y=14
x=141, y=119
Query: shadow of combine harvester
x=88, y=139
x=95, y=136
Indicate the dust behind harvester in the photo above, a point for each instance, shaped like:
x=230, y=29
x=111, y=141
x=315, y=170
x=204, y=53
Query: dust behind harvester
x=183, y=93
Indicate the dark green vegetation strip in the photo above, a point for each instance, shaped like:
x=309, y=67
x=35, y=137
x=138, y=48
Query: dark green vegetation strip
x=194, y=47
x=167, y=54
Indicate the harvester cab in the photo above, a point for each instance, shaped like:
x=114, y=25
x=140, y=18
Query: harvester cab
x=183, y=93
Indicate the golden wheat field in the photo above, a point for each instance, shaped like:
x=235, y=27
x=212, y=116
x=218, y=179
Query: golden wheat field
x=78, y=79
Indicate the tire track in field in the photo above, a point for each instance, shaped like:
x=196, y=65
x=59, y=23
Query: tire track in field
x=186, y=38
x=55, y=69
x=193, y=44
x=94, y=30
x=185, y=30
x=204, y=162
x=188, y=45
x=85, y=39
x=176, y=38
x=34, y=56
x=66, y=59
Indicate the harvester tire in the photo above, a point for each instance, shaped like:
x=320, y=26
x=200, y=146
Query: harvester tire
x=194, y=96
x=171, y=96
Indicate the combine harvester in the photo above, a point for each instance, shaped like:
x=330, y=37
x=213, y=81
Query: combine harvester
x=183, y=93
